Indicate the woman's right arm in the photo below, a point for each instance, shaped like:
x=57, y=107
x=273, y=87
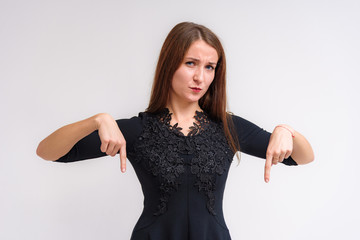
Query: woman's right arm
x=62, y=140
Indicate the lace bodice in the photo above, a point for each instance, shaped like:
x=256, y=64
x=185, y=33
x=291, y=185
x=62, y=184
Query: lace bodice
x=161, y=147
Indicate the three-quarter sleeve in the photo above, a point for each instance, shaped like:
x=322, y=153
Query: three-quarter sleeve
x=89, y=146
x=254, y=140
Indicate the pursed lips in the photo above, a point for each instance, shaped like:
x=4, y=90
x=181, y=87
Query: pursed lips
x=195, y=88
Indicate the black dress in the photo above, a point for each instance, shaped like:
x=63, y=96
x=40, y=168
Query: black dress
x=182, y=177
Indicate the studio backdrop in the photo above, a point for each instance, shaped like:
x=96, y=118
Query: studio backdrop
x=294, y=62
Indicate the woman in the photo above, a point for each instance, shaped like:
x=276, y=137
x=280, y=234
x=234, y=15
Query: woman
x=182, y=146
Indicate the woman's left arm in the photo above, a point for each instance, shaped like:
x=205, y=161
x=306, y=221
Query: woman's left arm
x=285, y=142
x=302, y=151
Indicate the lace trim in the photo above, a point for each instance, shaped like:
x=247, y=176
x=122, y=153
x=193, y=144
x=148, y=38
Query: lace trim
x=158, y=149
x=201, y=121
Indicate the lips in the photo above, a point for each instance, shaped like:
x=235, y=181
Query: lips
x=195, y=89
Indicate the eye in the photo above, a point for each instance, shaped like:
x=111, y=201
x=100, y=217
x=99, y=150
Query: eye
x=209, y=67
x=190, y=63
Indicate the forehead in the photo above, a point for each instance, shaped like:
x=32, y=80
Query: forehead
x=202, y=51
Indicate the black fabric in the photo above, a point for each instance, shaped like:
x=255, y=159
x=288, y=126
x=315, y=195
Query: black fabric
x=182, y=177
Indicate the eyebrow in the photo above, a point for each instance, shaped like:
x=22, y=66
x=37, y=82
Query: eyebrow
x=197, y=60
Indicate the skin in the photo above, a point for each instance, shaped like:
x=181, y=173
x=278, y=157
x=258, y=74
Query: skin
x=197, y=70
x=58, y=143
x=285, y=142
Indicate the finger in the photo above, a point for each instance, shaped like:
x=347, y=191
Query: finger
x=104, y=145
x=123, y=157
x=287, y=155
x=275, y=160
x=268, y=164
x=115, y=151
x=281, y=158
x=110, y=148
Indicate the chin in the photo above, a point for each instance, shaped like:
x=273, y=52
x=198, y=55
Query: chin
x=190, y=98
x=193, y=99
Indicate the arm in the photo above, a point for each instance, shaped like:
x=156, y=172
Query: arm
x=60, y=142
x=299, y=148
x=254, y=140
x=278, y=146
x=302, y=151
x=285, y=142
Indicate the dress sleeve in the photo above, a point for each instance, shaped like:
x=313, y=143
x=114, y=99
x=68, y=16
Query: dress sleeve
x=89, y=146
x=254, y=140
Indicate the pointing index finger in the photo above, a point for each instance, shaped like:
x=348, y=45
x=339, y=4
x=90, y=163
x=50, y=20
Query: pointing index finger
x=123, y=158
x=268, y=165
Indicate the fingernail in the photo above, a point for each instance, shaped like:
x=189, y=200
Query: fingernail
x=267, y=180
x=123, y=170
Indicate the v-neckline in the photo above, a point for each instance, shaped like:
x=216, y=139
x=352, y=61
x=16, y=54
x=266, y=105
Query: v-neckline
x=200, y=124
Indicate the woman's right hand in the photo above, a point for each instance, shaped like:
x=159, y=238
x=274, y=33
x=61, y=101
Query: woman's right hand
x=112, y=140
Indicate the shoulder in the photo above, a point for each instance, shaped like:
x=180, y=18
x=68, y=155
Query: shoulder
x=132, y=127
x=135, y=121
x=244, y=128
x=240, y=123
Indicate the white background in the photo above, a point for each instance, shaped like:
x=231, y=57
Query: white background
x=294, y=62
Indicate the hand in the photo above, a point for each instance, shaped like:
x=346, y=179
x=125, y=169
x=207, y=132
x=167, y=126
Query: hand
x=280, y=147
x=112, y=140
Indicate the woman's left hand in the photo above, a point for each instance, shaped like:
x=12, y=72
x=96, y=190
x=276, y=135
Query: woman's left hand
x=280, y=147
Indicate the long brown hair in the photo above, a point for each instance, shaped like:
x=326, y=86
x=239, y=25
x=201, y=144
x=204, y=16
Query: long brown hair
x=172, y=53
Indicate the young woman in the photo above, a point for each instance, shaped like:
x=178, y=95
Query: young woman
x=182, y=146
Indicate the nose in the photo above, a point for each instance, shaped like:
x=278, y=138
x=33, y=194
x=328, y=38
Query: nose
x=199, y=74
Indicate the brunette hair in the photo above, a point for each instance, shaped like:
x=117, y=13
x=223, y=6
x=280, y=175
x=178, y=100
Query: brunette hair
x=171, y=56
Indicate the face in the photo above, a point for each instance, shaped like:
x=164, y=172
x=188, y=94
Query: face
x=195, y=74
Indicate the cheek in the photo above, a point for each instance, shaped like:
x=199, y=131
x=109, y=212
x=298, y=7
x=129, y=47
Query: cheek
x=180, y=78
x=209, y=80
x=175, y=81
